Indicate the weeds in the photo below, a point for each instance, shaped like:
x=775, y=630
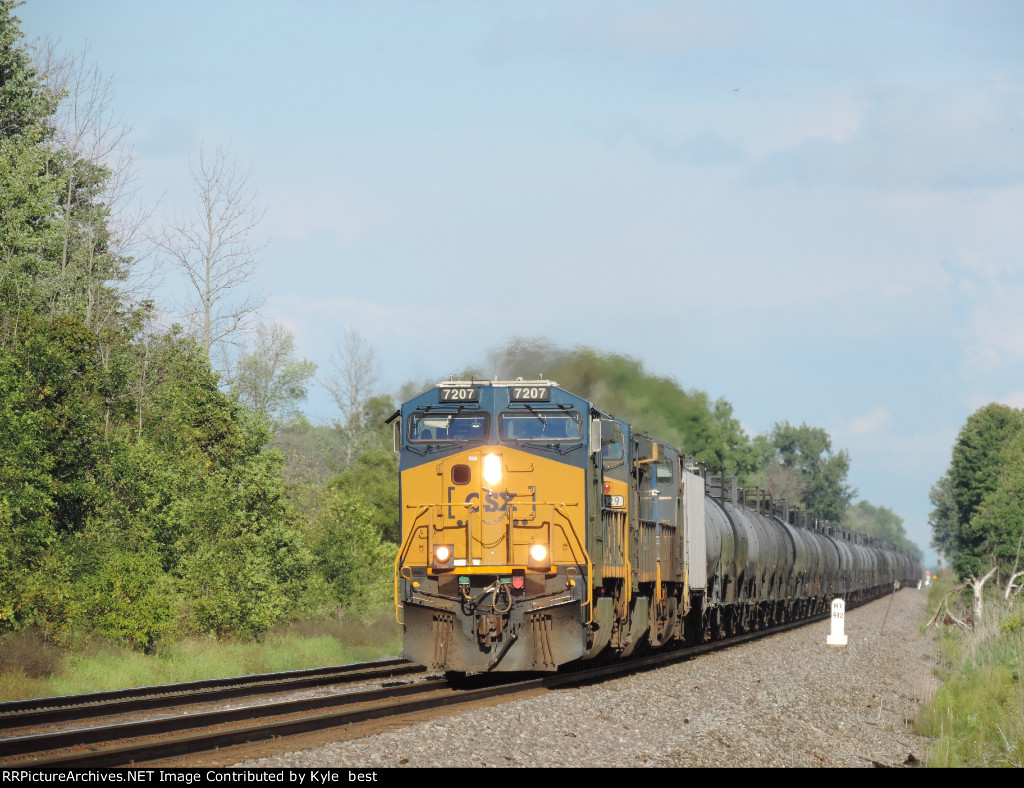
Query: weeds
x=30, y=667
x=977, y=716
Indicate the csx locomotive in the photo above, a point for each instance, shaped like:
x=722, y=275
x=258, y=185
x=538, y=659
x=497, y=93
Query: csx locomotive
x=538, y=530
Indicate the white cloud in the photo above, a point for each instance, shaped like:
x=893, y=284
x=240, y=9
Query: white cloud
x=895, y=290
x=653, y=31
x=297, y=213
x=894, y=136
x=792, y=124
x=997, y=333
x=992, y=289
x=877, y=420
x=952, y=214
x=1014, y=400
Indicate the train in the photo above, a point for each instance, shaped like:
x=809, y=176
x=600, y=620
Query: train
x=539, y=531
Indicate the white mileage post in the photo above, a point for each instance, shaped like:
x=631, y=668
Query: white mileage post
x=837, y=638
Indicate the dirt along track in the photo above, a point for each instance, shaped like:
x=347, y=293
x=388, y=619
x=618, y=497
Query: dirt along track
x=57, y=730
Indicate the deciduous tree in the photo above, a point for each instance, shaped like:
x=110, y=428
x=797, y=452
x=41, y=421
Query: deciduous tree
x=974, y=470
x=213, y=248
x=879, y=522
x=351, y=386
x=269, y=380
x=978, y=519
x=809, y=451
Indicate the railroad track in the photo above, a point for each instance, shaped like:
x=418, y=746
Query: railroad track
x=40, y=711
x=17, y=718
x=140, y=741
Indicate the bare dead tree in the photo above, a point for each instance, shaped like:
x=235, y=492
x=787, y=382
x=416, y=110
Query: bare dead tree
x=1012, y=588
x=977, y=586
x=355, y=376
x=105, y=255
x=212, y=248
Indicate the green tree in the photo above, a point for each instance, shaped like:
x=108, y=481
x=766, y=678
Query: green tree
x=350, y=554
x=975, y=521
x=58, y=252
x=25, y=102
x=269, y=380
x=137, y=500
x=879, y=522
x=994, y=534
x=50, y=426
x=111, y=583
x=29, y=227
x=977, y=455
x=373, y=478
x=944, y=518
x=808, y=450
x=201, y=479
x=99, y=226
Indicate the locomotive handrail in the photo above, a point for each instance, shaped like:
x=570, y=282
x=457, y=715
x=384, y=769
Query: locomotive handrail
x=589, y=603
x=406, y=544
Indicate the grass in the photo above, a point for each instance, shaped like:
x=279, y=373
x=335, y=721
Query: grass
x=30, y=667
x=977, y=716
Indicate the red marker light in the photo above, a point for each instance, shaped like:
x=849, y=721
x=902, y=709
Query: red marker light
x=607, y=487
x=517, y=582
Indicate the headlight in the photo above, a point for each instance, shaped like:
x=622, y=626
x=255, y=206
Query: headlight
x=492, y=469
x=444, y=556
x=539, y=557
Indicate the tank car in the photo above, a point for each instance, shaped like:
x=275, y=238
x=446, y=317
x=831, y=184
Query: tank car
x=538, y=530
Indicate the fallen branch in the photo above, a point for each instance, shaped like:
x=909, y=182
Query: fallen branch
x=944, y=603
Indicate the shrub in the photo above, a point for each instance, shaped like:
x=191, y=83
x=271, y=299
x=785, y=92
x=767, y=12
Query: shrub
x=28, y=652
x=977, y=716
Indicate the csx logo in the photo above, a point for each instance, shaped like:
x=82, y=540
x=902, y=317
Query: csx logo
x=491, y=502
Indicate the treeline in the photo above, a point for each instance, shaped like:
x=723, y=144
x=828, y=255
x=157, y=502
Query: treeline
x=978, y=516
x=141, y=497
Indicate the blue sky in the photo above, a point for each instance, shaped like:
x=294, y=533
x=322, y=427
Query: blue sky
x=813, y=210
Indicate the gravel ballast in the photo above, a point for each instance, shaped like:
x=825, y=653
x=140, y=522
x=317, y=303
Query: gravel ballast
x=786, y=700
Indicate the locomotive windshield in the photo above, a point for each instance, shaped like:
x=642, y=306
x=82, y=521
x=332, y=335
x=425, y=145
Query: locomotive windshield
x=539, y=425
x=432, y=428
